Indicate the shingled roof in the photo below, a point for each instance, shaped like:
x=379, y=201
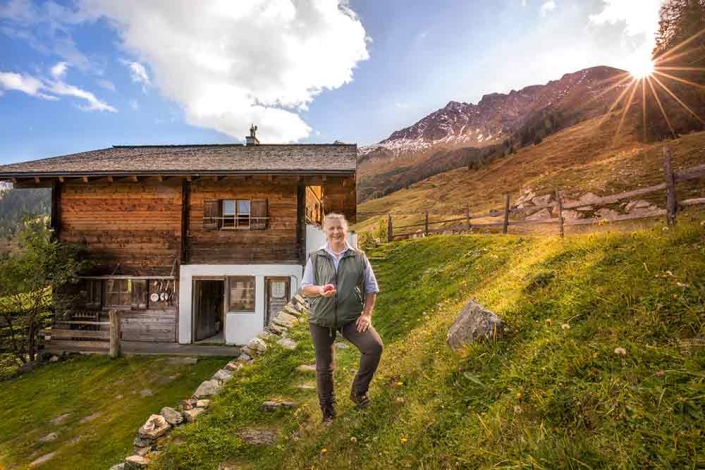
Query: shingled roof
x=194, y=159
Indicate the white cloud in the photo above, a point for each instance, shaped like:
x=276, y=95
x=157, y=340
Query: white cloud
x=94, y=104
x=134, y=105
x=641, y=21
x=232, y=64
x=639, y=16
x=48, y=89
x=138, y=73
x=59, y=70
x=550, y=5
x=45, y=27
x=107, y=84
x=26, y=84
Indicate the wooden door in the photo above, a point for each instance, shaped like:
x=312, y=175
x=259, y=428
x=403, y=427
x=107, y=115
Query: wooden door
x=277, y=296
x=208, y=308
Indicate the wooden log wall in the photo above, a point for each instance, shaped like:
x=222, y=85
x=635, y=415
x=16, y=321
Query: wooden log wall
x=339, y=196
x=136, y=224
x=276, y=244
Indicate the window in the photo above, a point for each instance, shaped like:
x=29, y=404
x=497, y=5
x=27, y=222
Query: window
x=94, y=294
x=241, y=294
x=126, y=293
x=241, y=214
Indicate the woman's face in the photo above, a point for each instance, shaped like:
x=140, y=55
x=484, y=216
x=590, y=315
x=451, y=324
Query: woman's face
x=335, y=231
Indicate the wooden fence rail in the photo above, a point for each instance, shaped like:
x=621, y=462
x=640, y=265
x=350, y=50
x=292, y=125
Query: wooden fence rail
x=671, y=211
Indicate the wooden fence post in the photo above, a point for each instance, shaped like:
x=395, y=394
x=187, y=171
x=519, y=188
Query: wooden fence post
x=467, y=216
x=426, y=226
x=505, y=227
x=561, y=220
x=671, y=202
x=390, y=229
x=114, y=334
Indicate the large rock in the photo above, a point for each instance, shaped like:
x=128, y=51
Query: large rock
x=192, y=414
x=607, y=214
x=172, y=416
x=290, y=309
x=223, y=375
x=541, y=200
x=207, y=389
x=258, y=436
x=572, y=215
x=543, y=214
x=135, y=462
x=589, y=198
x=287, y=343
x=156, y=426
x=257, y=344
x=474, y=323
x=285, y=320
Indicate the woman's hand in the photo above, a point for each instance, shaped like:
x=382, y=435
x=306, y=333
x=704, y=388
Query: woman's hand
x=363, y=323
x=327, y=291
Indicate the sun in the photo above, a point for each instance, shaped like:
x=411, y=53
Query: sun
x=641, y=68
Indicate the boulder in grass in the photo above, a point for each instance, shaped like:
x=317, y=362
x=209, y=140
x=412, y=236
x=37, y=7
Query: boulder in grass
x=192, y=414
x=257, y=344
x=223, y=375
x=286, y=320
x=207, y=389
x=276, y=329
x=474, y=323
x=156, y=426
x=120, y=466
x=136, y=462
x=287, y=343
x=172, y=416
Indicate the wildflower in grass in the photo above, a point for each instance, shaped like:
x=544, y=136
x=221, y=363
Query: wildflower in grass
x=403, y=440
x=519, y=395
x=399, y=384
x=324, y=450
x=660, y=373
x=399, y=399
x=565, y=326
x=353, y=439
x=595, y=355
x=675, y=296
x=549, y=322
x=620, y=351
x=517, y=409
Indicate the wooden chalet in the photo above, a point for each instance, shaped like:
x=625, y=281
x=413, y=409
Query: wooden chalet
x=192, y=242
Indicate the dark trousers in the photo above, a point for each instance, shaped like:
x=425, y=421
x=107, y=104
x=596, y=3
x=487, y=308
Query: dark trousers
x=368, y=342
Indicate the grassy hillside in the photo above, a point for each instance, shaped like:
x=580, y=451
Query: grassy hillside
x=93, y=405
x=552, y=394
x=585, y=157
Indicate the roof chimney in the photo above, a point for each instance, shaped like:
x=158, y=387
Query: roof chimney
x=252, y=138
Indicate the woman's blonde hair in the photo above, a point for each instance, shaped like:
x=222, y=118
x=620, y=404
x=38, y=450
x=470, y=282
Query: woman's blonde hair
x=336, y=216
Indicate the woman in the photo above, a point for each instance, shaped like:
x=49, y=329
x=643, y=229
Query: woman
x=342, y=287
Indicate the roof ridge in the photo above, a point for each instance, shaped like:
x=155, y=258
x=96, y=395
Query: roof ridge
x=233, y=145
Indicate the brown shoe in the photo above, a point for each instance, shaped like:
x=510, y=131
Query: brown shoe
x=361, y=401
x=329, y=415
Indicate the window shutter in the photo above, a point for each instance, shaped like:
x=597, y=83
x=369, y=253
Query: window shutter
x=211, y=214
x=258, y=208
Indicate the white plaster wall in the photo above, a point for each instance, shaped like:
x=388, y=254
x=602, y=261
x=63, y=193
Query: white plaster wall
x=239, y=327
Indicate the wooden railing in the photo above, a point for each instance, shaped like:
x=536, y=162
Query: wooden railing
x=465, y=222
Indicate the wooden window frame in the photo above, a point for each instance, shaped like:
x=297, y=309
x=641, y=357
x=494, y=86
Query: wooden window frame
x=228, y=292
x=235, y=219
x=126, y=293
x=94, y=294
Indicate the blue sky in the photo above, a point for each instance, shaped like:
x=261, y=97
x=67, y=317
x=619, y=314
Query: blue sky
x=85, y=74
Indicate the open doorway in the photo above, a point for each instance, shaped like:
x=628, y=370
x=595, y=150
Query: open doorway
x=208, y=310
